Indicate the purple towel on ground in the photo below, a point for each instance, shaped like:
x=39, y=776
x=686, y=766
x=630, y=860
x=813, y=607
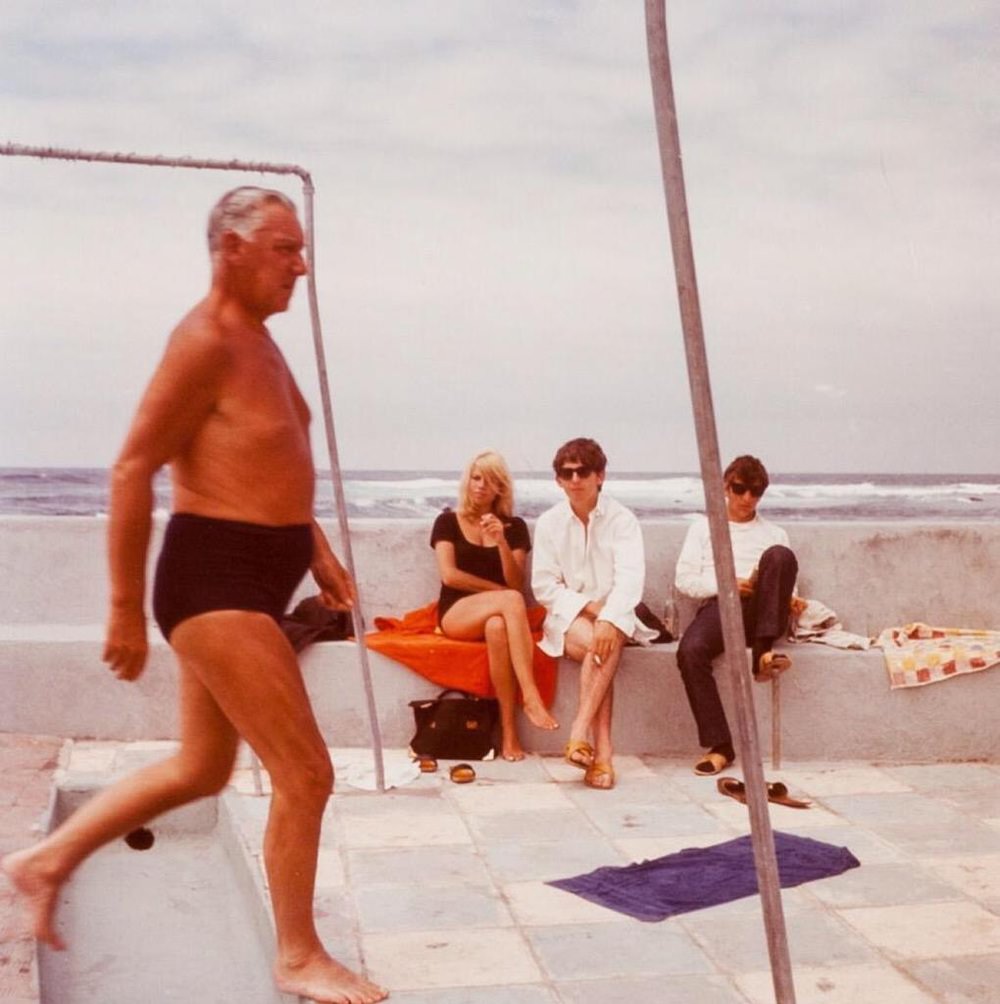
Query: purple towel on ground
x=704, y=876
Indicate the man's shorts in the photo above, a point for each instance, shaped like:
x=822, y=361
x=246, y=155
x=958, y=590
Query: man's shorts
x=221, y=564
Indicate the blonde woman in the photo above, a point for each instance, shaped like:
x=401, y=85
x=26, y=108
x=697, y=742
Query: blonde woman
x=481, y=550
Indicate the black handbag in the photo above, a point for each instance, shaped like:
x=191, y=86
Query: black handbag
x=455, y=728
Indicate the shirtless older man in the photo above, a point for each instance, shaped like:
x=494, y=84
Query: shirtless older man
x=224, y=412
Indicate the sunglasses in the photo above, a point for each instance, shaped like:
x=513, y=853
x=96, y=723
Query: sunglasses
x=738, y=488
x=582, y=472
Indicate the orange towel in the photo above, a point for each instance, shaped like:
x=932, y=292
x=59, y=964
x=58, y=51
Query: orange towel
x=415, y=641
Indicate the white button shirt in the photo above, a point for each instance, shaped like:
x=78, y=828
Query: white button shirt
x=573, y=564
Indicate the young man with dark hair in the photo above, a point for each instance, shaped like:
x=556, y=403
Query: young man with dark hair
x=588, y=572
x=766, y=569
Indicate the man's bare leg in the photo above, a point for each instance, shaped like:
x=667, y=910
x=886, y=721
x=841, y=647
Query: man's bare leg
x=505, y=684
x=201, y=767
x=595, y=680
x=248, y=665
x=603, y=749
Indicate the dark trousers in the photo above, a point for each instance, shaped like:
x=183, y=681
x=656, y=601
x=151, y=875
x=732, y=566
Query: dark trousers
x=765, y=616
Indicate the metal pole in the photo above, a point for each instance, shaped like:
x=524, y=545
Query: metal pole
x=776, y=723
x=258, y=167
x=338, y=489
x=711, y=473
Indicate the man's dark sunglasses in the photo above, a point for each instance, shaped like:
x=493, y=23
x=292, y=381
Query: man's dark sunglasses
x=738, y=488
x=582, y=472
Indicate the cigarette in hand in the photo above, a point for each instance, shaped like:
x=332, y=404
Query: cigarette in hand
x=597, y=660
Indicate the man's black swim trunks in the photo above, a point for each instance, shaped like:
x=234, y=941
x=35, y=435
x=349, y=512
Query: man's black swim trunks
x=222, y=564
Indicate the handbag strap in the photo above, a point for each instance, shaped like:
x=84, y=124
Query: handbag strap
x=460, y=693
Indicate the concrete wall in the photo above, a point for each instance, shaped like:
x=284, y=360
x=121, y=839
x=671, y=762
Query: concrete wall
x=875, y=575
x=835, y=705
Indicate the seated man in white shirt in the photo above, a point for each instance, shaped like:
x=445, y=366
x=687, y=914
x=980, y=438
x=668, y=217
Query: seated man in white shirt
x=588, y=571
x=765, y=570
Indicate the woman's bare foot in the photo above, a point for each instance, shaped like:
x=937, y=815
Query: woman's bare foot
x=539, y=716
x=39, y=889
x=512, y=750
x=325, y=981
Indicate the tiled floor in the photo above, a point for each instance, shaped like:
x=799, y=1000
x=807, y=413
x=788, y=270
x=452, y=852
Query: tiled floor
x=440, y=891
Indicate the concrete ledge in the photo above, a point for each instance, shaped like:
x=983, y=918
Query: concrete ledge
x=835, y=704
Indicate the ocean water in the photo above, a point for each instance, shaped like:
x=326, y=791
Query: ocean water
x=422, y=494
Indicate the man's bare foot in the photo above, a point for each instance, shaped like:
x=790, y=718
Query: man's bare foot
x=538, y=715
x=38, y=889
x=325, y=981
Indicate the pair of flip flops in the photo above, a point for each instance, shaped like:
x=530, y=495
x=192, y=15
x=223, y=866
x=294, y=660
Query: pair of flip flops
x=777, y=792
x=461, y=773
x=580, y=753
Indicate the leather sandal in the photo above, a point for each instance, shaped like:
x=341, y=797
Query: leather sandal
x=462, y=773
x=771, y=665
x=579, y=753
x=777, y=792
x=600, y=776
x=733, y=787
x=712, y=763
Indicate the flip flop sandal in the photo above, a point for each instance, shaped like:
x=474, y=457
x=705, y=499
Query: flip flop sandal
x=771, y=665
x=462, y=773
x=732, y=787
x=427, y=764
x=579, y=753
x=600, y=776
x=712, y=763
x=777, y=792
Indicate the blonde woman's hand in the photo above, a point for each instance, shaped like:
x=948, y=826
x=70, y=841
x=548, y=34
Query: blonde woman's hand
x=492, y=529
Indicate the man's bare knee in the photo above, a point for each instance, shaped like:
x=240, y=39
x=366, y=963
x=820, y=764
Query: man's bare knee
x=308, y=780
x=201, y=779
x=495, y=629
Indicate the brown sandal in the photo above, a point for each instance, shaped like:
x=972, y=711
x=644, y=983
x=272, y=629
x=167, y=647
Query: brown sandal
x=600, y=776
x=777, y=792
x=579, y=753
x=772, y=665
x=712, y=763
x=462, y=773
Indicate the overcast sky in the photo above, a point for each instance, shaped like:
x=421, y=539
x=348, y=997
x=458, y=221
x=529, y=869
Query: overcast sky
x=492, y=254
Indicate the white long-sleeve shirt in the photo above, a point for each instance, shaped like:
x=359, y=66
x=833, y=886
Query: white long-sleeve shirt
x=696, y=567
x=573, y=564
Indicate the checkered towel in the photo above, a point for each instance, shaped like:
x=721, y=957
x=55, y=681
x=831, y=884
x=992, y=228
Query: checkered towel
x=917, y=654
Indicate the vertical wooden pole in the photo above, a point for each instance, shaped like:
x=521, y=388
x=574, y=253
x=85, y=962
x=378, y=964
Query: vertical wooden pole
x=711, y=473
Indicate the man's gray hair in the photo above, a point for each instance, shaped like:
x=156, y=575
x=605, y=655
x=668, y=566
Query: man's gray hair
x=242, y=211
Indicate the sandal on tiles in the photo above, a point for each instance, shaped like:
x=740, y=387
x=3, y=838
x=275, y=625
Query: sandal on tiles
x=711, y=763
x=579, y=753
x=732, y=787
x=600, y=776
x=462, y=773
x=777, y=792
